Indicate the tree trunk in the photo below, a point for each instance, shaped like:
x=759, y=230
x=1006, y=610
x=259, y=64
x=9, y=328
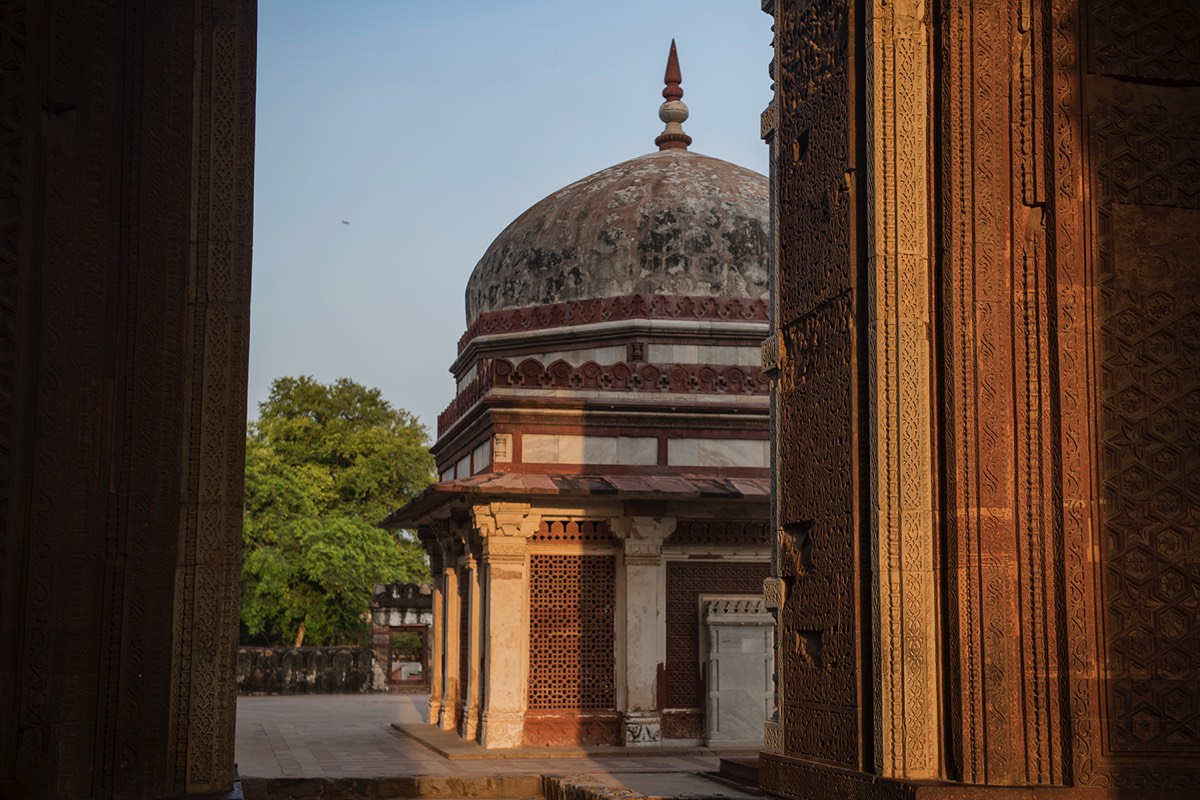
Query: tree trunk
x=300, y=634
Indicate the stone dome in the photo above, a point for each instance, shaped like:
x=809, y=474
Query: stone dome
x=671, y=222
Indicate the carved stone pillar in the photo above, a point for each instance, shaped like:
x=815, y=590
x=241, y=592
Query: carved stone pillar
x=473, y=639
x=899, y=345
x=505, y=527
x=447, y=719
x=431, y=537
x=437, y=666
x=985, y=448
x=126, y=206
x=645, y=623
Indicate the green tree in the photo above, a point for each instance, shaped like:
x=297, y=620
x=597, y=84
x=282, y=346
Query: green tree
x=324, y=465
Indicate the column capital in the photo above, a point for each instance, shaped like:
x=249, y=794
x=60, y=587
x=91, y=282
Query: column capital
x=646, y=530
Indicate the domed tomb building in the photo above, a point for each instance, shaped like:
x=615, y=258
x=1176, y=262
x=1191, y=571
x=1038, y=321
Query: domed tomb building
x=599, y=534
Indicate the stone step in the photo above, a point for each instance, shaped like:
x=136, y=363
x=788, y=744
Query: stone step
x=443, y=787
x=641, y=786
x=743, y=769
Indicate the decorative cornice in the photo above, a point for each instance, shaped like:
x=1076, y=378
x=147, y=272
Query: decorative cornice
x=740, y=607
x=620, y=377
x=609, y=309
x=465, y=400
x=718, y=532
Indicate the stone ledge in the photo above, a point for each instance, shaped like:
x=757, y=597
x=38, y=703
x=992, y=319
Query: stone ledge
x=450, y=745
x=500, y=786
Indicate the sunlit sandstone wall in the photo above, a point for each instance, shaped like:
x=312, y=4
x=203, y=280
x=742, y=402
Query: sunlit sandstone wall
x=986, y=350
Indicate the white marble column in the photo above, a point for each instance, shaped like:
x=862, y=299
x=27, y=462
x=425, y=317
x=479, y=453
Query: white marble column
x=506, y=585
x=504, y=528
x=436, y=668
x=645, y=623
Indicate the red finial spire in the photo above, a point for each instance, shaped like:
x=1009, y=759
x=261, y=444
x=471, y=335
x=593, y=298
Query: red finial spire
x=673, y=112
x=673, y=78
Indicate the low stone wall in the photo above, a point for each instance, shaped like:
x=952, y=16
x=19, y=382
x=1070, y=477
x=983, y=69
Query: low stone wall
x=306, y=670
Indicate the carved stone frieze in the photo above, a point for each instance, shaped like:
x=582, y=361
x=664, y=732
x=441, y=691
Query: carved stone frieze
x=531, y=373
x=721, y=533
x=614, y=309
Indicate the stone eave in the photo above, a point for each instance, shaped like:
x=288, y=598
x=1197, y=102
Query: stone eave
x=439, y=500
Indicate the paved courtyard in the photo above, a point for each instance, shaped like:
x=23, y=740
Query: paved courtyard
x=352, y=736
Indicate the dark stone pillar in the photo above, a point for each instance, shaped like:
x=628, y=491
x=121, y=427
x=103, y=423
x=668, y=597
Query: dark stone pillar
x=987, y=399
x=126, y=136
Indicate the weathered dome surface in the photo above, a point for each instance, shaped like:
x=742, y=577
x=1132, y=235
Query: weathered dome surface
x=671, y=222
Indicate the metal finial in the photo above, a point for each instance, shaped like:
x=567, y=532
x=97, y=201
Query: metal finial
x=673, y=111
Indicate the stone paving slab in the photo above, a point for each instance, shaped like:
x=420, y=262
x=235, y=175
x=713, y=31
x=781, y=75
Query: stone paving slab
x=331, y=746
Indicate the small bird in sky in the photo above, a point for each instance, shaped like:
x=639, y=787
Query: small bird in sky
x=345, y=222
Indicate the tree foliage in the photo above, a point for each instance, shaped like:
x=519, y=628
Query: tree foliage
x=324, y=465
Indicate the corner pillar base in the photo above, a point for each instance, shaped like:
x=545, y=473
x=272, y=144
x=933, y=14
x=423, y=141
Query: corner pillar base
x=642, y=729
x=500, y=730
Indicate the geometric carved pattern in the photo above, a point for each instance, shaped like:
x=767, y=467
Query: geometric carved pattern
x=683, y=724
x=1149, y=211
x=815, y=437
x=686, y=581
x=1142, y=39
x=728, y=533
x=572, y=600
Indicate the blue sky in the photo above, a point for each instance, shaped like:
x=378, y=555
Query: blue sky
x=431, y=125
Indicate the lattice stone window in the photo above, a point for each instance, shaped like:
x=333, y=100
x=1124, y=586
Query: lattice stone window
x=572, y=600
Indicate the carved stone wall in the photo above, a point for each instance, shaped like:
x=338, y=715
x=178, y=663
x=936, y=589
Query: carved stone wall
x=1145, y=142
x=998, y=392
x=1001, y=402
x=125, y=226
x=817, y=296
x=686, y=582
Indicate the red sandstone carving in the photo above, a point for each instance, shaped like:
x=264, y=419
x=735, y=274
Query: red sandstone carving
x=613, y=309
